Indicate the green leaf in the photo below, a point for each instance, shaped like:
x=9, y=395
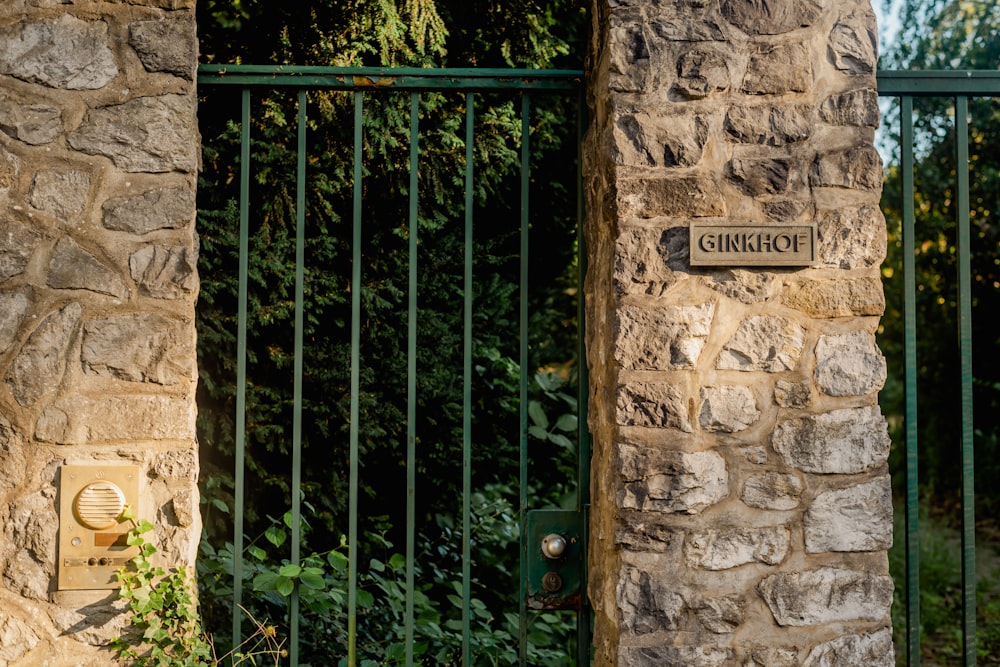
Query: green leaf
x=290, y=570
x=537, y=414
x=538, y=432
x=337, y=561
x=561, y=440
x=265, y=581
x=365, y=599
x=284, y=585
x=275, y=535
x=310, y=579
x=567, y=423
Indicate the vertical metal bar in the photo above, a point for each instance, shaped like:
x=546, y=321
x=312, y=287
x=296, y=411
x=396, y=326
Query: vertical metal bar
x=467, y=390
x=583, y=393
x=965, y=338
x=300, y=255
x=411, y=380
x=352, y=544
x=241, y=368
x=523, y=357
x=910, y=379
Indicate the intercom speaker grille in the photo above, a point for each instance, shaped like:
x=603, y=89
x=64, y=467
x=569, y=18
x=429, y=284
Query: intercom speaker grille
x=99, y=504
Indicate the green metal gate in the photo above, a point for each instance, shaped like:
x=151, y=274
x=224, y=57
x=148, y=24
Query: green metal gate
x=562, y=588
x=958, y=87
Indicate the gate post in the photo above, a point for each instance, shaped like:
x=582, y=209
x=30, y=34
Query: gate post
x=741, y=498
x=99, y=150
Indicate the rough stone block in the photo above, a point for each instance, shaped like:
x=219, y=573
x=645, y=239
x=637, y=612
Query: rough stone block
x=720, y=615
x=836, y=298
x=78, y=420
x=869, y=649
x=662, y=337
x=852, y=238
x=650, y=261
x=72, y=267
x=13, y=307
x=775, y=17
x=13, y=462
x=768, y=125
x=60, y=193
x=761, y=176
x=772, y=657
x=854, y=44
x=701, y=72
x=826, y=595
x=731, y=547
x=676, y=656
x=680, y=197
x=34, y=124
x=164, y=272
x=858, y=518
x=164, y=208
x=138, y=347
x=167, y=45
x=40, y=365
x=65, y=52
x=148, y=134
x=10, y=167
x=847, y=441
x=176, y=464
x=16, y=639
x=776, y=70
x=858, y=108
x=647, y=604
x=654, y=405
x=729, y=409
x=849, y=364
x=858, y=168
x=28, y=554
x=659, y=141
x=772, y=491
x=686, y=29
x=743, y=285
x=17, y=244
x=671, y=481
x=763, y=343
x=793, y=394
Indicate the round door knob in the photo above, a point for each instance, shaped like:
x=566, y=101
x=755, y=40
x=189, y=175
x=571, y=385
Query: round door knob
x=553, y=546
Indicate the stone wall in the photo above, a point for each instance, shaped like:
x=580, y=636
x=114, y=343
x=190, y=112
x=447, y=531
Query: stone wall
x=742, y=506
x=98, y=153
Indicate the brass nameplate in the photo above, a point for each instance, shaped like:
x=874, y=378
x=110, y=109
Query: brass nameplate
x=753, y=245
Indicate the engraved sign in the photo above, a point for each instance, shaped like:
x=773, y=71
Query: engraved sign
x=753, y=245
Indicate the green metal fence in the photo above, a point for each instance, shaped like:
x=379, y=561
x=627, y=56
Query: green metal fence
x=959, y=87
x=368, y=86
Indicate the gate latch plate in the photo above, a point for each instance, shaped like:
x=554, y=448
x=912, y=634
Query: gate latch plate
x=554, y=583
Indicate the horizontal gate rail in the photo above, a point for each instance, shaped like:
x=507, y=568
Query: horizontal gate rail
x=362, y=82
x=959, y=85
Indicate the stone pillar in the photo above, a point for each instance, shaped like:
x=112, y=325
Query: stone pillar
x=99, y=149
x=742, y=506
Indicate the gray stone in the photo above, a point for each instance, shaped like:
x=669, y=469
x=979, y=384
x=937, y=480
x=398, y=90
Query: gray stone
x=13, y=307
x=676, y=656
x=831, y=298
x=62, y=194
x=679, y=197
x=869, y=649
x=148, y=134
x=176, y=464
x=659, y=141
x=854, y=44
x=683, y=29
x=40, y=365
x=34, y=124
x=792, y=394
x=754, y=454
x=13, y=463
x=702, y=72
x=771, y=17
x=767, y=125
x=30, y=540
x=183, y=506
x=858, y=518
x=17, y=244
x=731, y=547
x=826, y=595
x=784, y=210
x=165, y=272
x=629, y=66
x=773, y=657
x=78, y=420
x=729, y=409
x=852, y=238
x=16, y=639
x=858, y=168
x=72, y=267
x=772, y=491
x=167, y=45
x=775, y=70
x=62, y=53
x=761, y=176
x=846, y=441
x=654, y=405
x=10, y=167
x=138, y=347
x=747, y=286
x=650, y=261
x=648, y=605
x=858, y=108
x=849, y=364
x=671, y=481
x=165, y=208
x=763, y=343
x=662, y=337
x=638, y=532
x=720, y=615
